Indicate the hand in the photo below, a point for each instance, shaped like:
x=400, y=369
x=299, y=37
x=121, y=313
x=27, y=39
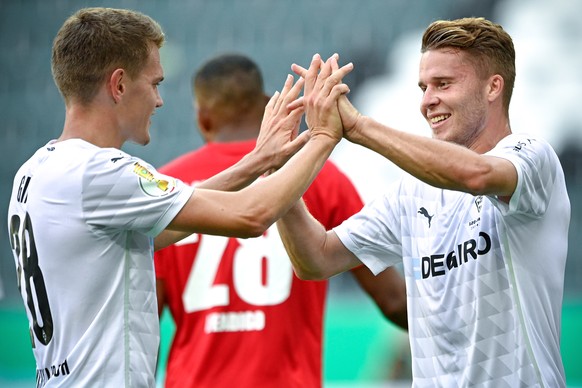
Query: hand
x=349, y=116
x=278, y=138
x=323, y=88
x=348, y=113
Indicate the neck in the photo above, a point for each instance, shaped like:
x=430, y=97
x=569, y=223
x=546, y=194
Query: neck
x=237, y=131
x=489, y=139
x=91, y=124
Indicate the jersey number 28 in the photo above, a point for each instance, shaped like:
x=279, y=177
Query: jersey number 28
x=22, y=243
x=253, y=258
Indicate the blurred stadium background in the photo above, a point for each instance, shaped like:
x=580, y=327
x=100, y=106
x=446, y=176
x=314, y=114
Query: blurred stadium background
x=382, y=38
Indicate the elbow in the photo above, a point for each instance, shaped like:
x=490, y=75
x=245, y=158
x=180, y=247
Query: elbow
x=477, y=182
x=309, y=275
x=475, y=186
x=253, y=228
x=256, y=222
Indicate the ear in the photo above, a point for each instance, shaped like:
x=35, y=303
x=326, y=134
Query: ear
x=495, y=87
x=116, y=84
x=204, y=120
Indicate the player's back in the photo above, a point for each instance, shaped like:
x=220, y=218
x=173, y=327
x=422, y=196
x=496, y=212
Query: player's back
x=73, y=275
x=242, y=316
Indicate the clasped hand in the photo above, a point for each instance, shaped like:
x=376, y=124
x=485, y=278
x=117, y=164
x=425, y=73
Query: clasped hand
x=279, y=136
x=323, y=88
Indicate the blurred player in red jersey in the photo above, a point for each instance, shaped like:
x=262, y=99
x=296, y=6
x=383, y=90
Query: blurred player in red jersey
x=242, y=317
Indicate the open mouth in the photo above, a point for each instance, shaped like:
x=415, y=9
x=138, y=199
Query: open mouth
x=439, y=119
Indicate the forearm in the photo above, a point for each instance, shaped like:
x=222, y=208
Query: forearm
x=277, y=192
x=439, y=163
x=238, y=176
x=250, y=211
x=314, y=252
x=303, y=238
x=168, y=237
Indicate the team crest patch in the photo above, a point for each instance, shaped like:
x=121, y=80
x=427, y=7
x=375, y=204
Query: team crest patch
x=155, y=185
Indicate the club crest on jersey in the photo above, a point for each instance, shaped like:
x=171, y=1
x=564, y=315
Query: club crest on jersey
x=154, y=185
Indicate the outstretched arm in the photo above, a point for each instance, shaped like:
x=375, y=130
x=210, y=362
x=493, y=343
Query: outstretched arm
x=276, y=143
x=439, y=163
x=250, y=211
x=314, y=252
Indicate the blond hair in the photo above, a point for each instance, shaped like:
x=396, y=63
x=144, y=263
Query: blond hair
x=95, y=41
x=489, y=45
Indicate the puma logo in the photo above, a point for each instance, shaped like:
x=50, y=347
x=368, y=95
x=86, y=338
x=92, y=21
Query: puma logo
x=424, y=212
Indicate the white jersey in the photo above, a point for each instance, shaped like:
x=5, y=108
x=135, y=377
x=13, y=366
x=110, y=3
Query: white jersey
x=81, y=222
x=484, y=278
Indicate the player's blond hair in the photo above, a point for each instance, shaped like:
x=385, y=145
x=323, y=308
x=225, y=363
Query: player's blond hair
x=489, y=45
x=95, y=41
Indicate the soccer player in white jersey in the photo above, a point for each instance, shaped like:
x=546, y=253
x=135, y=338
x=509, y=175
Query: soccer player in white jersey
x=83, y=215
x=480, y=223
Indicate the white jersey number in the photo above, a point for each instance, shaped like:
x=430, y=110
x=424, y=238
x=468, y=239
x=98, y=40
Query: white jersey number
x=22, y=243
x=262, y=272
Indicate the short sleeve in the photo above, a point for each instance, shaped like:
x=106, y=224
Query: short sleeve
x=124, y=192
x=373, y=234
x=537, y=167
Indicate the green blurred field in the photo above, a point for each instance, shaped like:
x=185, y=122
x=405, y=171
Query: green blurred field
x=361, y=347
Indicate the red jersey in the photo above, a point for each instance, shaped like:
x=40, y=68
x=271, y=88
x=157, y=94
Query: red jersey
x=242, y=317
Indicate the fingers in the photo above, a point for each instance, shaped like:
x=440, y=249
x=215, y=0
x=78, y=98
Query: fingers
x=286, y=87
x=311, y=74
x=299, y=70
x=286, y=100
x=296, y=144
x=296, y=104
x=271, y=104
x=333, y=82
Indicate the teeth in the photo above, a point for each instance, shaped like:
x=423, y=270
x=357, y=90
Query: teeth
x=437, y=119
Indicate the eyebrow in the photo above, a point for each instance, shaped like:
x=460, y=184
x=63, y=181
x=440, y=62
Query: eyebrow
x=436, y=79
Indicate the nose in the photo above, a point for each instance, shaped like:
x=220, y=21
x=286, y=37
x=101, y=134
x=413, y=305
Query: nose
x=159, y=100
x=429, y=99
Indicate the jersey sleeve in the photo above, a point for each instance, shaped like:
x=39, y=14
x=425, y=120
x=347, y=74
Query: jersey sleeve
x=536, y=164
x=332, y=198
x=374, y=234
x=123, y=192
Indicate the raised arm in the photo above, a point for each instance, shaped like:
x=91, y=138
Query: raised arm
x=276, y=143
x=250, y=211
x=437, y=162
x=314, y=252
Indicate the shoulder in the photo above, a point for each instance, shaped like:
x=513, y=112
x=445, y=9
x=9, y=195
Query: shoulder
x=527, y=153
x=516, y=144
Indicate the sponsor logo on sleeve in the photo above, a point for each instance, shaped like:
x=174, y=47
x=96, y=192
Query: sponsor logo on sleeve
x=153, y=183
x=521, y=144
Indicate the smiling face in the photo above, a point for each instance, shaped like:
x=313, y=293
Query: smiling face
x=141, y=99
x=454, y=101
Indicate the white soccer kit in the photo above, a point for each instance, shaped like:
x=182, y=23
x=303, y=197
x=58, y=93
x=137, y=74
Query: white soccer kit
x=81, y=222
x=484, y=278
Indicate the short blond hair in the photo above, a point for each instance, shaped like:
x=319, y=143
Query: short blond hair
x=95, y=41
x=489, y=45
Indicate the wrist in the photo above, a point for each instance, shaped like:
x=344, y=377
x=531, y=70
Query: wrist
x=257, y=163
x=322, y=134
x=355, y=133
